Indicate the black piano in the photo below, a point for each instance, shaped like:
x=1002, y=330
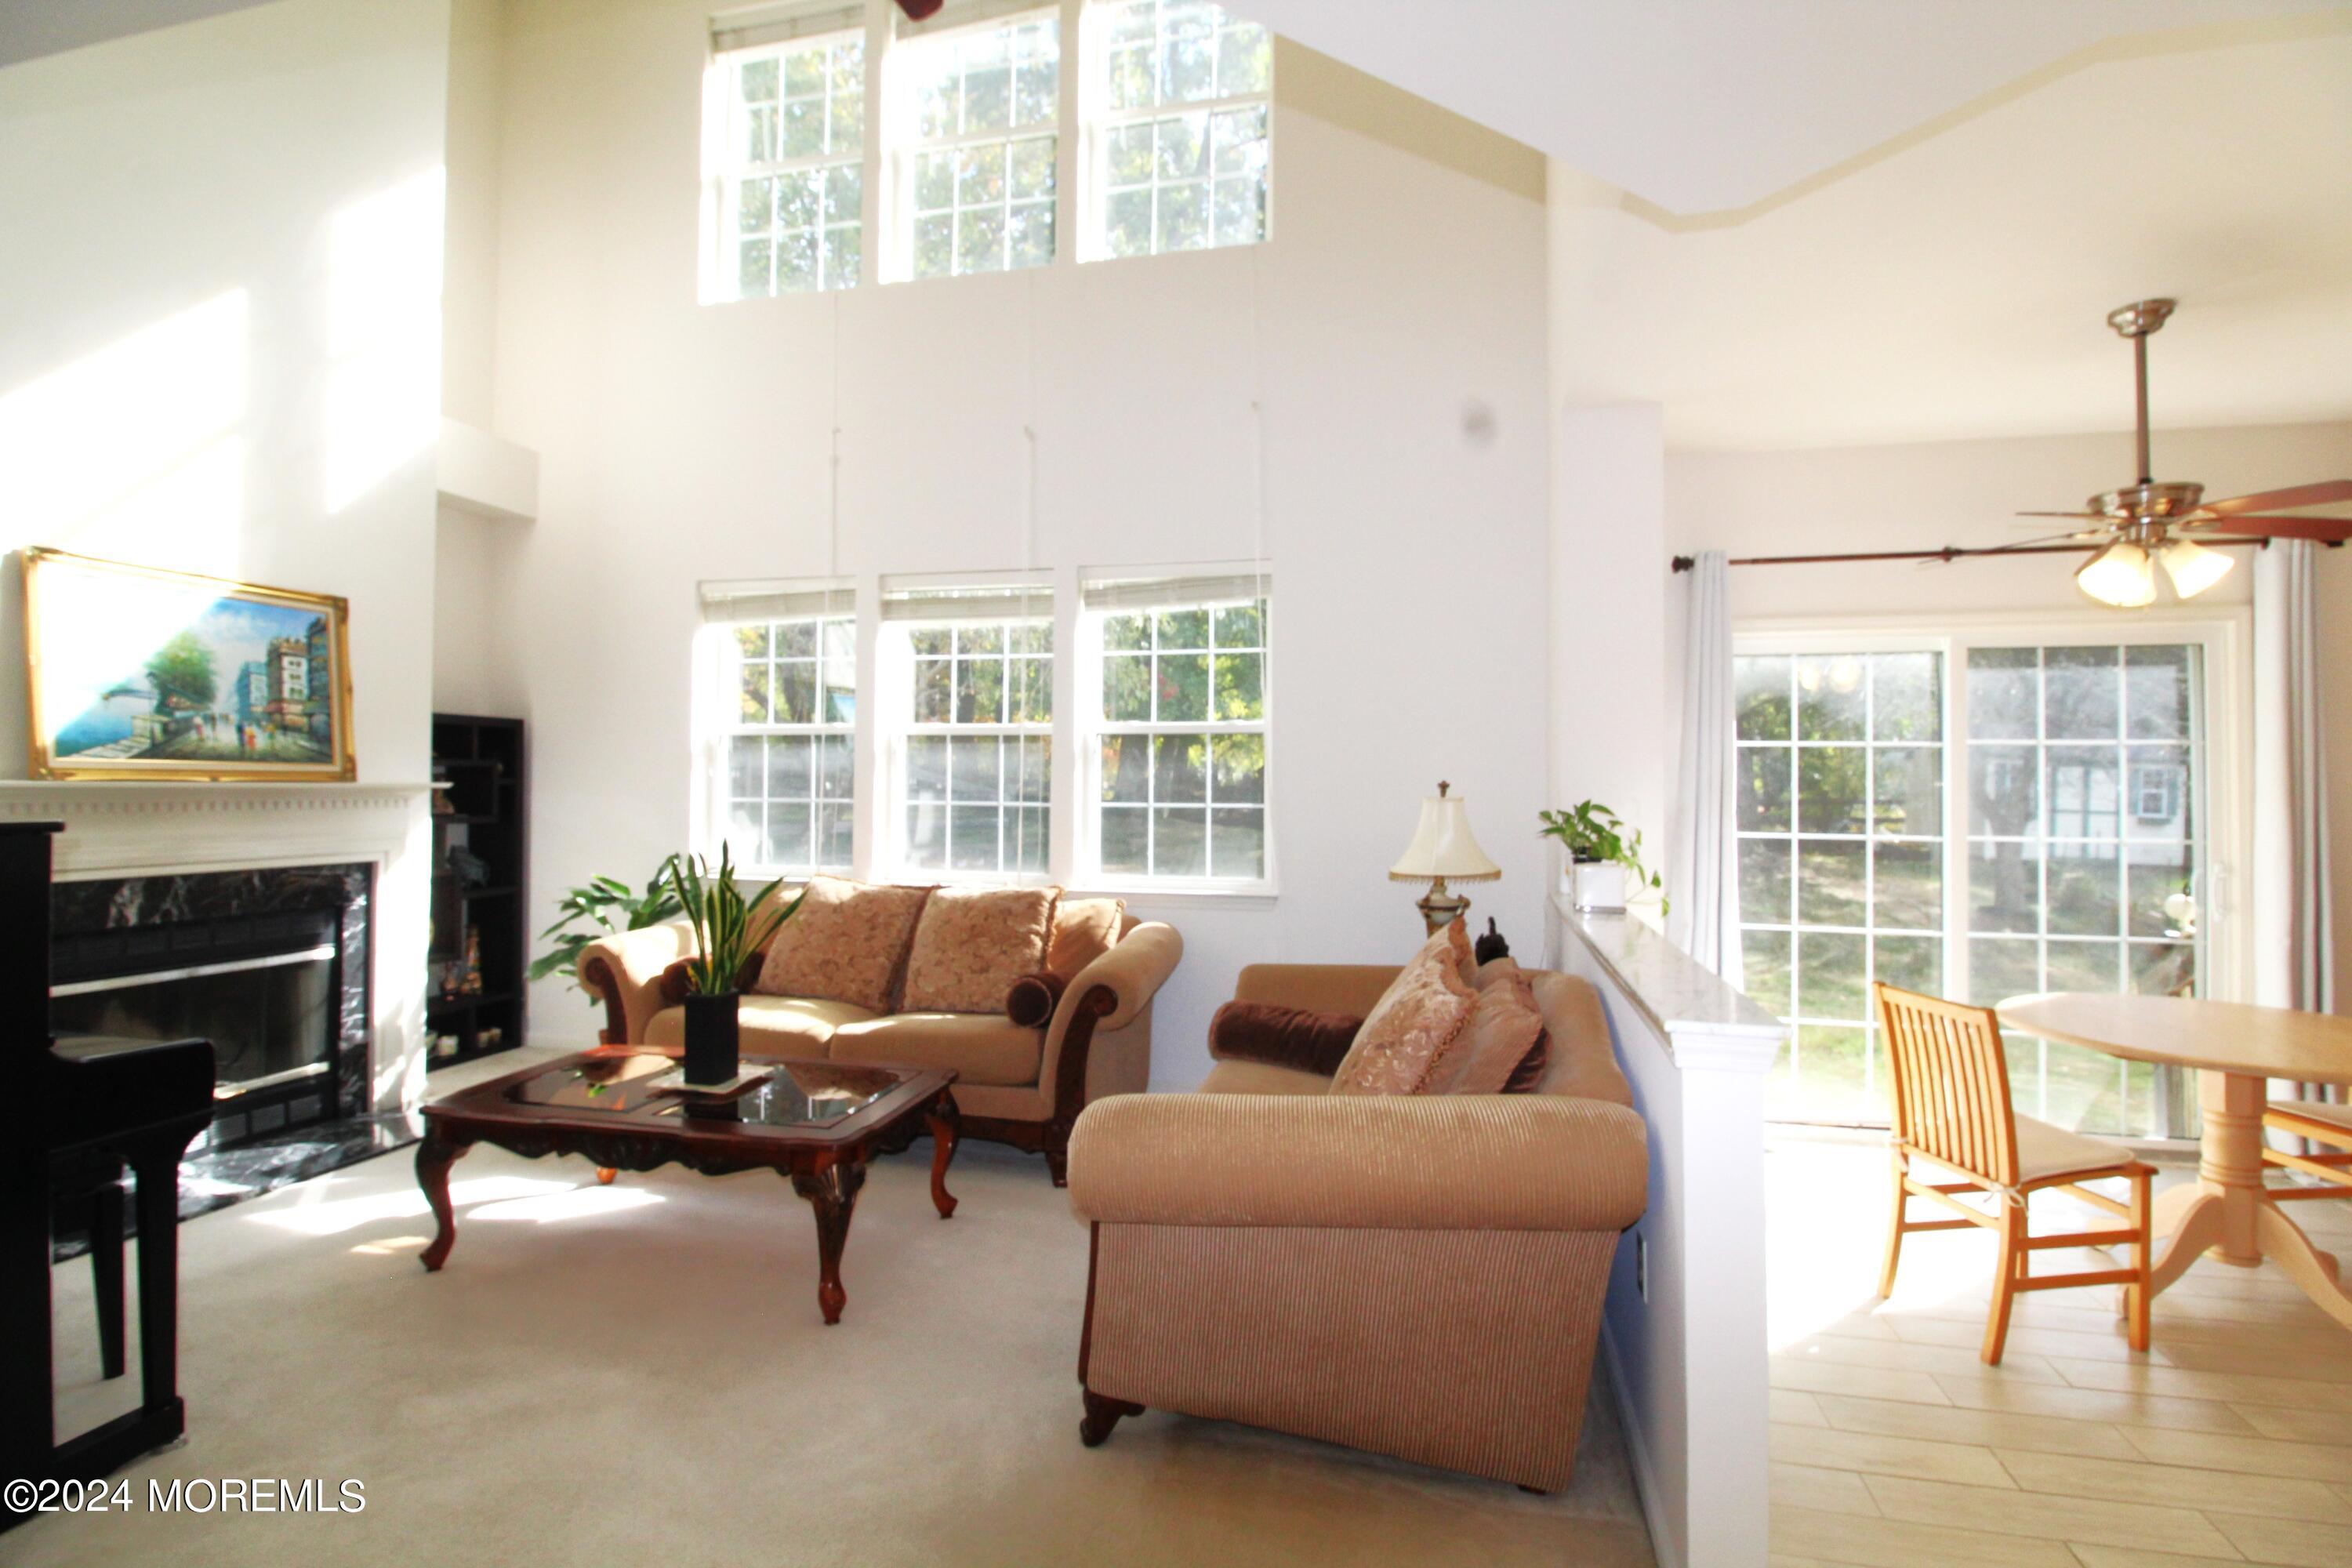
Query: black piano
x=82, y=1112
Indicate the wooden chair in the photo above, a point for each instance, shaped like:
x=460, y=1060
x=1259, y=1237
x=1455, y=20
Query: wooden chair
x=2322, y=1123
x=1952, y=1110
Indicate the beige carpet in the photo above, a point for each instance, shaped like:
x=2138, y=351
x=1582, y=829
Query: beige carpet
x=638, y=1373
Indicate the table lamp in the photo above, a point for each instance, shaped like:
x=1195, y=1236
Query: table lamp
x=1443, y=849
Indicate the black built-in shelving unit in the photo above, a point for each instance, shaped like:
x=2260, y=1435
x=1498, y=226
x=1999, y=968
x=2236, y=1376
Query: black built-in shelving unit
x=482, y=762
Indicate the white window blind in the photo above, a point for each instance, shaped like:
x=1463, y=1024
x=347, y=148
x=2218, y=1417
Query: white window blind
x=756, y=26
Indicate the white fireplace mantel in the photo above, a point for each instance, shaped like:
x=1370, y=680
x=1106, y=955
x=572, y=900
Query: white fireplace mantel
x=165, y=829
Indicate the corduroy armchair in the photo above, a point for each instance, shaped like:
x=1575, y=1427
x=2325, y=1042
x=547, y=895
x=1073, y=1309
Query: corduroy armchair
x=1418, y=1276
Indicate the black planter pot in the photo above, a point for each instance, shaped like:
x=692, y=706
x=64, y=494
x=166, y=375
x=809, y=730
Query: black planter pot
x=711, y=1037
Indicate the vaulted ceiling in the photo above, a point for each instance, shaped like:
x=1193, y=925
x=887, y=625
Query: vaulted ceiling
x=1702, y=106
x=1810, y=222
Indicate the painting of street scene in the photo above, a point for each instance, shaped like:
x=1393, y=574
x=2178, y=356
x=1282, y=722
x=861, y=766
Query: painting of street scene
x=142, y=673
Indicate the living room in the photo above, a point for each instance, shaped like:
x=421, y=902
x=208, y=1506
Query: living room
x=475, y=462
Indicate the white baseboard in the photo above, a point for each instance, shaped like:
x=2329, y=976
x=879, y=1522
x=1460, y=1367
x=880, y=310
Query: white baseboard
x=1646, y=1480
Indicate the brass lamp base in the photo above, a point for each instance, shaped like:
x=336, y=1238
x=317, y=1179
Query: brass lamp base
x=1440, y=908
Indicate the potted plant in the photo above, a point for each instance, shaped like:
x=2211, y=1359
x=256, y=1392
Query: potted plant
x=1604, y=858
x=728, y=929
x=601, y=908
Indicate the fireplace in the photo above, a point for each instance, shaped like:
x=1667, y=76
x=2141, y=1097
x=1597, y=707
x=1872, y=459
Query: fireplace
x=269, y=965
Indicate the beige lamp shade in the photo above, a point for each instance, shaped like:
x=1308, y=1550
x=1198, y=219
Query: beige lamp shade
x=1443, y=848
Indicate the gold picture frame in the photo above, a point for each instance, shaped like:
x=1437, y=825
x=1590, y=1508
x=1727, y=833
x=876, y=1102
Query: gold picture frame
x=136, y=673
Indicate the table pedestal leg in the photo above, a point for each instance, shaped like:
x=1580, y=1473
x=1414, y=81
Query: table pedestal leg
x=831, y=1189
x=2299, y=1260
x=2230, y=1161
x=434, y=1157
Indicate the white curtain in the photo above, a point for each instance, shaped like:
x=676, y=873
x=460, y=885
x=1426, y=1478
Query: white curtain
x=2294, y=952
x=2293, y=935
x=1703, y=855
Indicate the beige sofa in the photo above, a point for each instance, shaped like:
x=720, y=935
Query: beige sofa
x=1418, y=1276
x=1014, y=1085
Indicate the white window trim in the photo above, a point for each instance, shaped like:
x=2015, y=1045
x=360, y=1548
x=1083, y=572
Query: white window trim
x=902, y=144
x=1097, y=121
x=709, y=816
x=2223, y=633
x=894, y=663
x=722, y=136
x=886, y=254
x=1090, y=727
x=880, y=758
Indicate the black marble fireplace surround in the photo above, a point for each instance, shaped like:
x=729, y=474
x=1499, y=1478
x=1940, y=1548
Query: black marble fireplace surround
x=118, y=926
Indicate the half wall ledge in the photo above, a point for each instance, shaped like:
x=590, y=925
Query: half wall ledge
x=1684, y=1326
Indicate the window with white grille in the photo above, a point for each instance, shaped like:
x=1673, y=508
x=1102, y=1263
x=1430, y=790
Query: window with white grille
x=778, y=760
x=1180, y=97
x=967, y=670
x=975, y=141
x=788, y=157
x=1177, y=710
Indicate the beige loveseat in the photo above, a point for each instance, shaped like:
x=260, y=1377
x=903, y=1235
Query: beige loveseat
x=1415, y=1275
x=1022, y=1086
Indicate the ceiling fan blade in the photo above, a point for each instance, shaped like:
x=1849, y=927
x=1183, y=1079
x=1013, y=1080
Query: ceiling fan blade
x=2331, y=530
x=2086, y=516
x=2320, y=494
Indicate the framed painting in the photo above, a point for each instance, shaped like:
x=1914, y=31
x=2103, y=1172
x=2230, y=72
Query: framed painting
x=139, y=673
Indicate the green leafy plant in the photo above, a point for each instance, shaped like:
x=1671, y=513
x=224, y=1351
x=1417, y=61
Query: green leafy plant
x=1595, y=834
x=606, y=906
x=727, y=926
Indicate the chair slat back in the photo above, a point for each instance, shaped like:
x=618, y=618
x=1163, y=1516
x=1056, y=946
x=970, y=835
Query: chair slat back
x=1951, y=1083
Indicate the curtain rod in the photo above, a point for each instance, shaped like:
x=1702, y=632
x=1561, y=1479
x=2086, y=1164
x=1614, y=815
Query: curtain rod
x=1948, y=552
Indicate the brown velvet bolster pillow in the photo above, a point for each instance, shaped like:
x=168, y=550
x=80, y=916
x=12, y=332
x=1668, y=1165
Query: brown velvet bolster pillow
x=1031, y=999
x=1283, y=1036
x=676, y=987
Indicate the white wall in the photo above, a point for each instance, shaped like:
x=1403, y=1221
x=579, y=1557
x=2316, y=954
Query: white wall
x=469, y=291
x=681, y=443
x=1609, y=620
x=219, y=323
x=1922, y=497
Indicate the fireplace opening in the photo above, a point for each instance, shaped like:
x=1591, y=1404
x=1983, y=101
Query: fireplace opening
x=269, y=966
x=271, y=1020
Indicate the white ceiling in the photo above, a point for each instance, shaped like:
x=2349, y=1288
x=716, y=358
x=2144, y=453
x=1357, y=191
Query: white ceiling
x=1708, y=105
x=1958, y=287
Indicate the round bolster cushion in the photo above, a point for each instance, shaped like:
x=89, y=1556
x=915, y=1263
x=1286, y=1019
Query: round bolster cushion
x=1033, y=998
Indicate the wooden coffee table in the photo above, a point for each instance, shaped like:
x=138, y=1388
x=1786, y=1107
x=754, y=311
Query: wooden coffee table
x=817, y=1123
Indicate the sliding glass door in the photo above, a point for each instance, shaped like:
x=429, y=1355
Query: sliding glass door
x=1972, y=818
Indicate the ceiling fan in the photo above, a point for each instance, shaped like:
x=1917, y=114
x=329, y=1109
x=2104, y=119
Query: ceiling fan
x=2149, y=521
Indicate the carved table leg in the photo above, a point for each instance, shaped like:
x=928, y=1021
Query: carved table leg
x=831, y=1188
x=434, y=1157
x=944, y=1124
x=1103, y=1412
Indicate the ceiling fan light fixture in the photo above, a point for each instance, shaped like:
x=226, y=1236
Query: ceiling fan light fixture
x=2120, y=575
x=2193, y=567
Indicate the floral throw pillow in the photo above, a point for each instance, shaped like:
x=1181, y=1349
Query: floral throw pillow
x=1409, y=1039
x=973, y=943
x=845, y=944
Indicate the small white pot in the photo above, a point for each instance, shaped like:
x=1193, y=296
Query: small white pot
x=1597, y=887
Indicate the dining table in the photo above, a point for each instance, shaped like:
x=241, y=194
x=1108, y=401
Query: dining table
x=2228, y=1214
